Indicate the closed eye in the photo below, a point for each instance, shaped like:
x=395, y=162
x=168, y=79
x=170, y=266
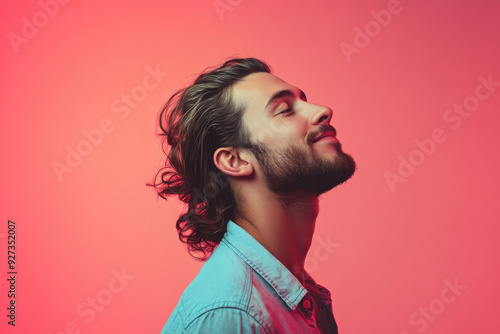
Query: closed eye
x=288, y=108
x=286, y=111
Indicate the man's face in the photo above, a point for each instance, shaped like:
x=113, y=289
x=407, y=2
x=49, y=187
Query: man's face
x=292, y=139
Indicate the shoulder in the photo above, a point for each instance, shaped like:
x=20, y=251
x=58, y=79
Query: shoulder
x=220, y=320
x=222, y=288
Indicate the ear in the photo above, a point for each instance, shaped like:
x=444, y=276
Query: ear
x=229, y=161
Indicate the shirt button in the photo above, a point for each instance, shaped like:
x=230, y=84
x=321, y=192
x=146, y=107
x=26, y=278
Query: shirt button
x=307, y=303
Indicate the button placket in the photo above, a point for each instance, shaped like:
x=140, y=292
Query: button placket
x=307, y=304
x=307, y=307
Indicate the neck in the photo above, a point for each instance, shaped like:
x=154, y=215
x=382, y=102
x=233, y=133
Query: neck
x=284, y=225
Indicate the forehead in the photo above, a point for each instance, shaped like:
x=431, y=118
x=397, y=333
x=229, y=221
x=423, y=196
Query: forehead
x=254, y=90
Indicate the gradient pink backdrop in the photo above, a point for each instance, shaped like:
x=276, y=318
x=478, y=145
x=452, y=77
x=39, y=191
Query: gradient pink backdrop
x=393, y=247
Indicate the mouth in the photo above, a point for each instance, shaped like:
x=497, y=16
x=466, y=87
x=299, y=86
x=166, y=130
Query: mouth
x=327, y=135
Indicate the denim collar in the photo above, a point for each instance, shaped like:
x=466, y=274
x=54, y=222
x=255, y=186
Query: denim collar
x=286, y=285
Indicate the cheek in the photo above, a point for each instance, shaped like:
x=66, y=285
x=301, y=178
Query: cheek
x=269, y=132
x=277, y=131
x=253, y=126
x=265, y=136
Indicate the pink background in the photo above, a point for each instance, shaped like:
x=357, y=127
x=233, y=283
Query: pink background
x=393, y=248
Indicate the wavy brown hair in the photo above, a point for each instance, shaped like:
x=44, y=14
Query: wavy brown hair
x=194, y=122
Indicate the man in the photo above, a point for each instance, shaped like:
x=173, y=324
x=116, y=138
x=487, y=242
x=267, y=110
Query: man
x=249, y=155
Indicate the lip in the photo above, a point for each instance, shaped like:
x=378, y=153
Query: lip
x=328, y=135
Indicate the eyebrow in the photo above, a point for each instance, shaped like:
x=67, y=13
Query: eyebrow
x=284, y=93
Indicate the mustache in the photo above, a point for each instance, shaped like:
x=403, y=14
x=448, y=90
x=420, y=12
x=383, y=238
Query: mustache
x=321, y=129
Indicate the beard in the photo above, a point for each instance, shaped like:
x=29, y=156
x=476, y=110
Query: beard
x=293, y=170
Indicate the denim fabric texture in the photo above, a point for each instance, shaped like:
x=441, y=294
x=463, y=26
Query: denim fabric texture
x=242, y=288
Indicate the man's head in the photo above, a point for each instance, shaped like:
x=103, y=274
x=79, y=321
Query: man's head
x=233, y=122
x=291, y=141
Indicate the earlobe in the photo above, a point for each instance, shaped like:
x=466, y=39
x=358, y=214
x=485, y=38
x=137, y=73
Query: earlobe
x=229, y=161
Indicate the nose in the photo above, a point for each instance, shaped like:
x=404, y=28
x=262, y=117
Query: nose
x=321, y=115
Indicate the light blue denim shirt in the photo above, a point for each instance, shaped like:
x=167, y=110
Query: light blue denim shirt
x=242, y=288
